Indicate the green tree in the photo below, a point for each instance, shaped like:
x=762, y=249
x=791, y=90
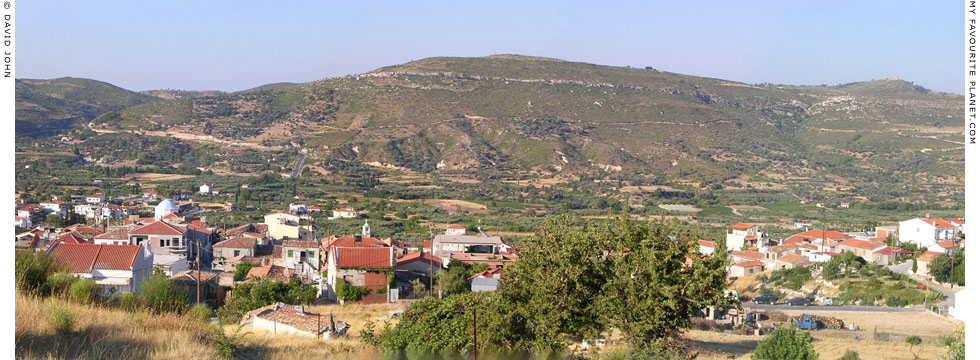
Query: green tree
x=453, y=281
x=241, y=270
x=418, y=289
x=84, y=291
x=785, y=344
x=657, y=256
x=915, y=265
x=947, y=269
x=31, y=271
x=553, y=286
x=913, y=341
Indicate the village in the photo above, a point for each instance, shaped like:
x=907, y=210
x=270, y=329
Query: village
x=119, y=249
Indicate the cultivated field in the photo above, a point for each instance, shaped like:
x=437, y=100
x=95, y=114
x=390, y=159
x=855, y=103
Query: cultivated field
x=155, y=177
x=457, y=206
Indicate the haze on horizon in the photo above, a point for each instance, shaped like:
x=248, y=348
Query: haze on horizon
x=213, y=46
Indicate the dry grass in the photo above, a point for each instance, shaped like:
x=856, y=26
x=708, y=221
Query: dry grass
x=357, y=314
x=107, y=333
x=102, y=333
x=832, y=344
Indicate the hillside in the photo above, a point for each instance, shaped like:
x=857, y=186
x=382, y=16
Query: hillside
x=45, y=107
x=169, y=94
x=514, y=114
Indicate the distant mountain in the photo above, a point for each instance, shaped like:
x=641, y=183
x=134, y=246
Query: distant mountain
x=50, y=106
x=272, y=86
x=169, y=94
x=511, y=113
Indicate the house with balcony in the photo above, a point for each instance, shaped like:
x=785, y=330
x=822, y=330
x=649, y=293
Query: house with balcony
x=303, y=257
x=926, y=232
x=286, y=226
x=743, y=235
x=169, y=244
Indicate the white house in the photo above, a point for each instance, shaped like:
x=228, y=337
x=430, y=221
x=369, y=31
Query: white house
x=706, y=247
x=845, y=205
x=743, y=235
x=298, y=208
x=455, y=230
x=54, y=206
x=22, y=222
x=347, y=213
x=925, y=232
x=96, y=198
x=117, y=268
x=206, y=189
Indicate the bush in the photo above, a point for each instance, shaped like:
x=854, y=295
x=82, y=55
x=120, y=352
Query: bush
x=785, y=344
x=201, y=313
x=31, y=272
x=159, y=294
x=84, y=291
x=60, y=283
x=129, y=301
x=61, y=319
x=850, y=355
x=227, y=346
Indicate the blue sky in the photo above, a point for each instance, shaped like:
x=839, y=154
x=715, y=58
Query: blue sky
x=235, y=45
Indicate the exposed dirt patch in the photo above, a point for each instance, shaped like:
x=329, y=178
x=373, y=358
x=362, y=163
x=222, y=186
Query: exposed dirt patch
x=156, y=177
x=457, y=206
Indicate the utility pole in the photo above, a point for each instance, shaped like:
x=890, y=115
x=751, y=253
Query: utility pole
x=474, y=334
x=198, y=272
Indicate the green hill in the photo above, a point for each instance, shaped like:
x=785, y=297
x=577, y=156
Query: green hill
x=50, y=106
x=518, y=114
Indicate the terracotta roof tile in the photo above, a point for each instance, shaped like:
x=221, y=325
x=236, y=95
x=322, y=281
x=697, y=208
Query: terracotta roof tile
x=363, y=257
x=419, y=256
x=741, y=226
x=237, y=243
x=82, y=258
x=158, y=228
x=751, y=263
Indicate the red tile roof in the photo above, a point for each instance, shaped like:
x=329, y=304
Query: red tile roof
x=300, y=244
x=158, y=228
x=750, y=263
x=707, y=244
x=273, y=272
x=348, y=241
x=867, y=245
x=456, y=227
x=71, y=238
x=237, y=243
x=887, y=250
x=83, y=258
x=792, y=258
x=741, y=226
x=928, y=255
x=939, y=223
x=956, y=221
x=486, y=273
x=948, y=244
x=363, y=257
x=346, y=209
x=115, y=234
x=419, y=256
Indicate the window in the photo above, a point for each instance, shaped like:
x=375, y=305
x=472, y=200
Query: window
x=163, y=242
x=290, y=253
x=237, y=252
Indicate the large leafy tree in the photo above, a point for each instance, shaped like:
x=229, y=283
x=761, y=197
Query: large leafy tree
x=947, y=269
x=657, y=280
x=555, y=286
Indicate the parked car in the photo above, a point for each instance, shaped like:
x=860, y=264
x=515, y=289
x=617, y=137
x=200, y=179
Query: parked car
x=797, y=301
x=766, y=299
